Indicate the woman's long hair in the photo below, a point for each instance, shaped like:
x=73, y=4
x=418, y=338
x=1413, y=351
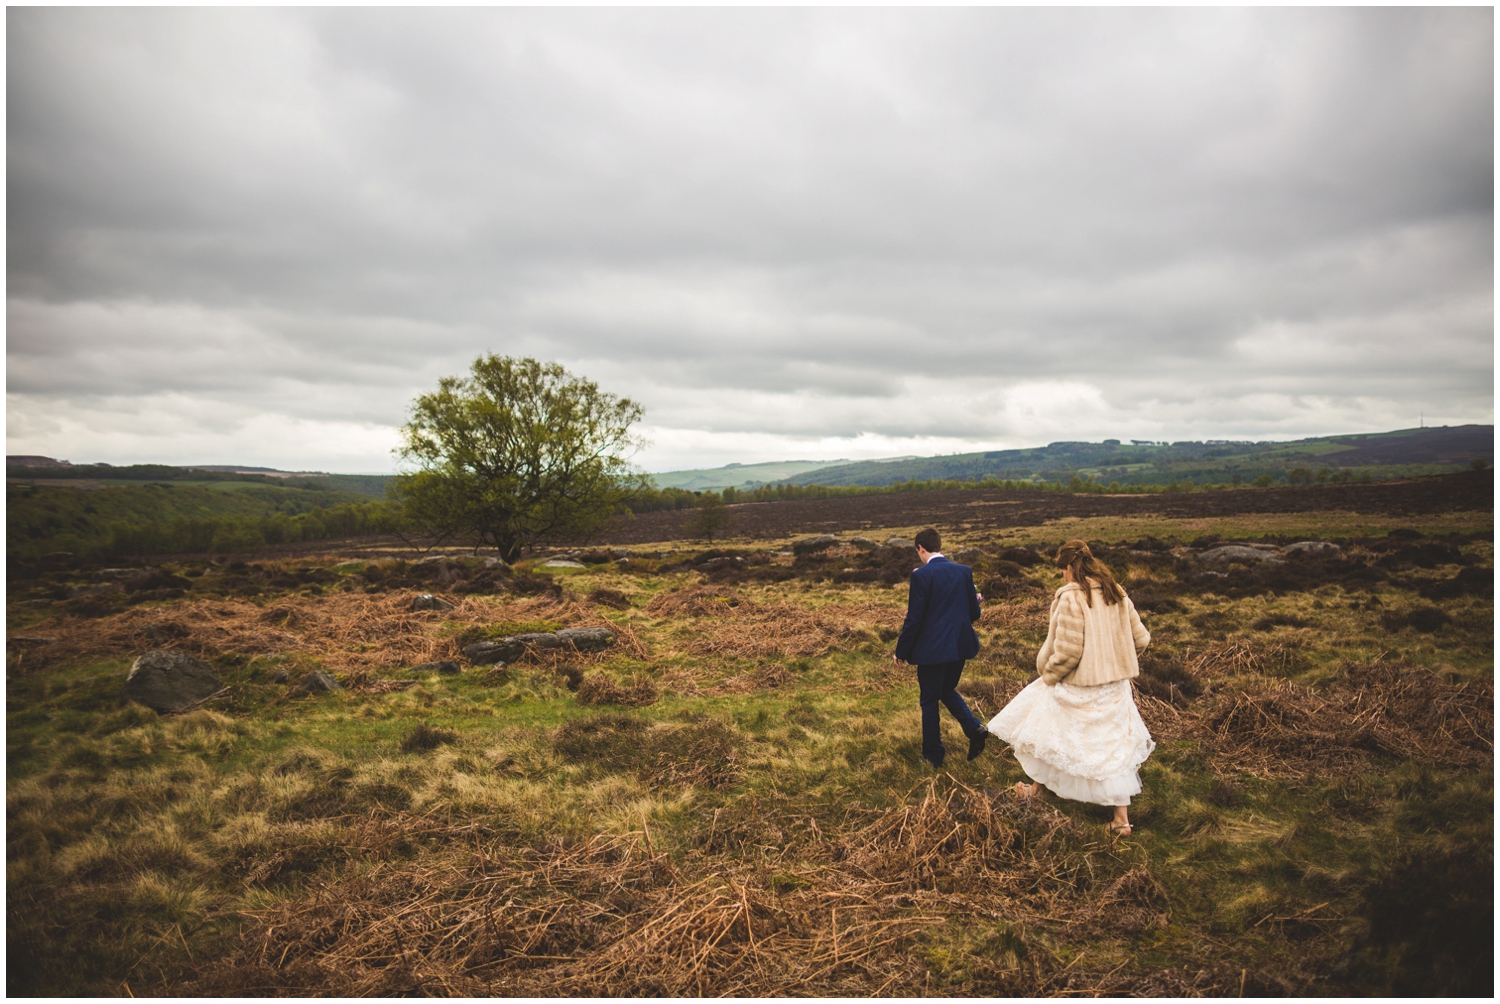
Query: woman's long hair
x=1078, y=559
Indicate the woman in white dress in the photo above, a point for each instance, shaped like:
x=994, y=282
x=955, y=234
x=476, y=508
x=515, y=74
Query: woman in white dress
x=1075, y=729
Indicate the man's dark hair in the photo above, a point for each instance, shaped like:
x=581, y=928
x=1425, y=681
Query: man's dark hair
x=929, y=541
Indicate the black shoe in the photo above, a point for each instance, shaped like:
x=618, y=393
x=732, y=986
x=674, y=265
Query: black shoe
x=977, y=741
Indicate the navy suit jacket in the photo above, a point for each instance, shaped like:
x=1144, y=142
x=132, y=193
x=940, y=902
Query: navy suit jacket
x=940, y=613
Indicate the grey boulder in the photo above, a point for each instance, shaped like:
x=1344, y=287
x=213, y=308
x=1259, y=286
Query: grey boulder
x=1237, y=552
x=1319, y=548
x=863, y=543
x=280, y=676
x=319, y=682
x=427, y=601
x=726, y=562
x=511, y=648
x=169, y=681
x=900, y=542
x=811, y=545
x=563, y=563
x=968, y=555
x=586, y=639
x=444, y=667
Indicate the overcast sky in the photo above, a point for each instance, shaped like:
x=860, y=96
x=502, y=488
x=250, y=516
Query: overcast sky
x=253, y=236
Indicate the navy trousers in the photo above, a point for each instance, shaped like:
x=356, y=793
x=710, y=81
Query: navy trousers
x=935, y=685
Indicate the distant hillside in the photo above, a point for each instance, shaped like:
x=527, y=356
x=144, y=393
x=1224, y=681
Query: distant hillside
x=739, y=475
x=1403, y=453
x=46, y=470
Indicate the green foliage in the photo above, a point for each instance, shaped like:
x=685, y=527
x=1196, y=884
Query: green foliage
x=177, y=519
x=516, y=453
x=712, y=519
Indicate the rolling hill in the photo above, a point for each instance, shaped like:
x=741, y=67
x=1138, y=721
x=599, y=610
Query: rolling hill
x=1402, y=453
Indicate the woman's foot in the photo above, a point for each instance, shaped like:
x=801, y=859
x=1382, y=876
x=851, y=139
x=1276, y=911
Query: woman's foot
x=1119, y=829
x=1024, y=790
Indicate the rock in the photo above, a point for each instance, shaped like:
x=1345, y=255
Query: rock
x=319, y=682
x=1237, y=552
x=511, y=648
x=490, y=651
x=100, y=589
x=120, y=573
x=811, y=545
x=900, y=542
x=1319, y=548
x=968, y=556
x=621, y=552
x=427, y=601
x=623, y=562
x=537, y=639
x=168, y=681
x=713, y=563
x=443, y=667
x=863, y=543
x=280, y=676
x=587, y=639
x=563, y=563
x=499, y=563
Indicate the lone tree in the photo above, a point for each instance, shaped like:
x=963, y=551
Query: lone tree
x=516, y=453
x=712, y=518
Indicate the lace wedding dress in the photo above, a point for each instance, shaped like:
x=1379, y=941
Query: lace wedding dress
x=1084, y=743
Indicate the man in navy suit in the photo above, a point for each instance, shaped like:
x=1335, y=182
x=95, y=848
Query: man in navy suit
x=937, y=638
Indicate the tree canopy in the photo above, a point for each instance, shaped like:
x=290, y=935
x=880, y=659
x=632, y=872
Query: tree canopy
x=516, y=453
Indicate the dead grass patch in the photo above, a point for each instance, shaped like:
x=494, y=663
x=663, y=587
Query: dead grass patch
x=1276, y=729
x=352, y=633
x=614, y=914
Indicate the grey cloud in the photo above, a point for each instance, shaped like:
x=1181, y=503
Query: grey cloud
x=783, y=222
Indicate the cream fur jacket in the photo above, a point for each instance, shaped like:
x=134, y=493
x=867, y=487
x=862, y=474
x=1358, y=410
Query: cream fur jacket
x=1091, y=644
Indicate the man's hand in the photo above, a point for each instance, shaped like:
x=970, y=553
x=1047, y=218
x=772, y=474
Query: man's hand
x=895, y=659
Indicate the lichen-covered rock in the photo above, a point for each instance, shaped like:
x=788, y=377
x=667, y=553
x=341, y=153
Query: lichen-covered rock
x=812, y=545
x=168, y=681
x=319, y=682
x=1314, y=548
x=427, y=601
x=900, y=543
x=586, y=639
x=512, y=647
x=493, y=650
x=562, y=563
x=1237, y=552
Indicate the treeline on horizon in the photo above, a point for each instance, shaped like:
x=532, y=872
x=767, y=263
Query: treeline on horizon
x=45, y=520
x=658, y=499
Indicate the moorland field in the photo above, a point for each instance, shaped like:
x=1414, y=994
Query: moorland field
x=731, y=799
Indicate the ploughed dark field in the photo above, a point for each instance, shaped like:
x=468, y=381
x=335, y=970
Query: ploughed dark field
x=728, y=796
x=980, y=509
